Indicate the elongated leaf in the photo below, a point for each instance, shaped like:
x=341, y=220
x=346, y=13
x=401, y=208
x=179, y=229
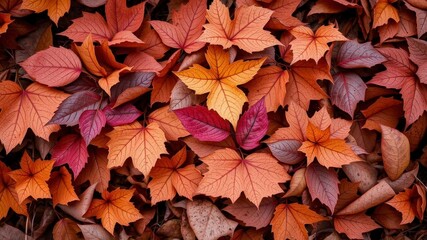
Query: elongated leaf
x=358, y=55
x=252, y=126
x=70, y=110
x=91, y=123
x=347, y=91
x=395, y=152
x=122, y=115
x=71, y=149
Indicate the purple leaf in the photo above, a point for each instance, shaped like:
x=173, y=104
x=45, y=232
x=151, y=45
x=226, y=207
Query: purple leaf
x=71, y=149
x=70, y=109
x=203, y=124
x=121, y=115
x=91, y=123
x=322, y=183
x=355, y=55
x=347, y=91
x=138, y=79
x=252, y=126
x=286, y=151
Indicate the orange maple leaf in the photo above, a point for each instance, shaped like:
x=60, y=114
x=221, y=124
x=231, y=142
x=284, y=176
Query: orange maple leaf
x=31, y=179
x=245, y=30
x=143, y=144
x=258, y=175
x=55, y=8
x=169, y=178
x=115, y=207
x=61, y=187
x=309, y=45
x=8, y=195
x=328, y=152
x=289, y=221
x=187, y=27
x=221, y=81
x=411, y=203
x=30, y=108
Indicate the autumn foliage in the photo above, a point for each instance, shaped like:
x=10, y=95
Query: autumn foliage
x=219, y=119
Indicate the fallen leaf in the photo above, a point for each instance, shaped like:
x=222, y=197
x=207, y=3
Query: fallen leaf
x=245, y=30
x=358, y=55
x=31, y=179
x=61, y=187
x=252, y=126
x=383, y=12
x=290, y=219
x=22, y=109
x=227, y=168
x=114, y=207
x=131, y=141
x=354, y=225
x=8, y=194
x=207, y=221
x=221, y=81
x=65, y=229
x=169, y=122
x=55, y=9
x=395, y=152
x=72, y=150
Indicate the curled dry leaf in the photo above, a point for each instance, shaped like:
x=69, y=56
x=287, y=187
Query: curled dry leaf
x=395, y=152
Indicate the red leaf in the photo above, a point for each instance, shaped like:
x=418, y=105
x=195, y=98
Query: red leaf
x=71, y=150
x=142, y=62
x=203, y=124
x=122, y=18
x=54, y=67
x=354, y=225
x=91, y=122
x=79, y=30
x=70, y=109
x=252, y=126
x=355, y=55
x=121, y=115
x=323, y=184
x=347, y=91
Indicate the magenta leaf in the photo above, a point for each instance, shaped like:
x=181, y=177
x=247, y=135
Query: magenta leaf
x=252, y=126
x=71, y=149
x=91, y=123
x=322, y=184
x=121, y=115
x=286, y=151
x=70, y=109
x=203, y=124
x=347, y=91
x=355, y=55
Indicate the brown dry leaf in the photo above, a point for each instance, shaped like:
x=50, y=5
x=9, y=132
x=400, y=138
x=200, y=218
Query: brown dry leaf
x=207, y=220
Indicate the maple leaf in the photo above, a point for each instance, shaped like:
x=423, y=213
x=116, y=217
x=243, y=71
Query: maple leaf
x=23, y=109
x=169, y=178
x=61, y=188
x=289, y=221
x=143, y=144
x=245, y=30
x=221, y=81
x=203, y=124
x=118, y=30
x=269, y=83
x=252, y=126
x=411, y=203
x=354, y=225
x=309, y=45
x=257, y=175
x=383, y=12
x=55, y=8
x=302, y=86
x=328, y=152
x=31, y=179
x=71, y=149
x=115, y=207
x=401, y=75
x=8, y=194
x=282, y=16
x=169, y=123
x=187, y=27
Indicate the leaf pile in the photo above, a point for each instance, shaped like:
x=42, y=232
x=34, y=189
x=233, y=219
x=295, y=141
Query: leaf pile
x=219, y=119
